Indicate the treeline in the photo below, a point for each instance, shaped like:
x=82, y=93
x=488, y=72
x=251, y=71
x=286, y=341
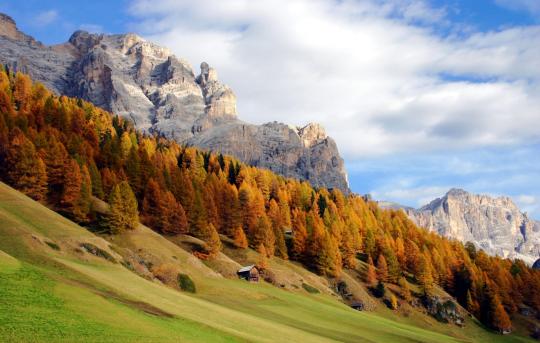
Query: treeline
x=63, y=151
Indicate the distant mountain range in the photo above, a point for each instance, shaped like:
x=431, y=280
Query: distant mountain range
x=495, y=225
x=160, y=93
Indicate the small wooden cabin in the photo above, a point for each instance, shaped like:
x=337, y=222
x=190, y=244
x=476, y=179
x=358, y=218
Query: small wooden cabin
x=249, y=273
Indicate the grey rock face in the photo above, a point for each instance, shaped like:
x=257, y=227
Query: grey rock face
x=493, y=224
x=160, y=93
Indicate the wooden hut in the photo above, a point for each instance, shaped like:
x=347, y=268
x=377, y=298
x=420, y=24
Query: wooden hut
x=249, y=273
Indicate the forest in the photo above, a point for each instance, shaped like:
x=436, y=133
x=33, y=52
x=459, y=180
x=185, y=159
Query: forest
x=64, y=152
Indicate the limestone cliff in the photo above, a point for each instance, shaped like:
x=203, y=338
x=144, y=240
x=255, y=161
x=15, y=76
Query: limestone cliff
x=493, y=224
x=161, y=93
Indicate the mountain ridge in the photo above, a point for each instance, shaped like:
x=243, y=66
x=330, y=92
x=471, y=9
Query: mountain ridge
x=160, y=93
x=495, y=224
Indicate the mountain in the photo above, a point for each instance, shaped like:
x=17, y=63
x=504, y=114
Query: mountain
x=494, y=224
x=161, y=93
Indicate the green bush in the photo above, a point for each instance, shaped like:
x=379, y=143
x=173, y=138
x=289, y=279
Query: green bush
x=92, y=249
x=186, y=284
x=310, y=289
x=53, y=245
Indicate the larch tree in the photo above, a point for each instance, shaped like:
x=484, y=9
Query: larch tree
x=299, y=239
x=425, y=277
x=263, y=257
x=26, y=170
x=123, y=214
x=393, y=302
x=382, y=269
x=240, y=239
x=176, y=220
x=211, y=237
x=153, y=206
x=499, y=318
x=405, y=289
x=71, y=194
x=371, y=274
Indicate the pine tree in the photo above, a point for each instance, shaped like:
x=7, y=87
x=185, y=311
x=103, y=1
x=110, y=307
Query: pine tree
x=240, y=239
x=371, y=274
x=123, y=214
x=382, y=269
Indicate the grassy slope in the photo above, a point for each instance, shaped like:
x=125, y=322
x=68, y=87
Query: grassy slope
x=49, y=295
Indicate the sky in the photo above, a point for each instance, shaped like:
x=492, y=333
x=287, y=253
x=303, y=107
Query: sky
x=420, y=95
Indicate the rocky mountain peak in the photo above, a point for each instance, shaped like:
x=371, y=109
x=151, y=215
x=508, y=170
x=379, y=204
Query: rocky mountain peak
x=312, y=134
x=142, y=81
x=8, y=28
x=83, y=41
x=493, y=224
x=457, y=192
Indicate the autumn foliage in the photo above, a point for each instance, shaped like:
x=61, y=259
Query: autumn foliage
x=63, y=151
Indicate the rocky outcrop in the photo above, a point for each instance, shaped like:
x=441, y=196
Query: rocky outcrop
x=161, y=93
x=495, y=225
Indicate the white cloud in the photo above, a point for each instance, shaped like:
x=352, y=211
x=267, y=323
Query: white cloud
x=525, y=199
x=532, y=6
x=46, y=18
x=373, y=72
x=415, y=196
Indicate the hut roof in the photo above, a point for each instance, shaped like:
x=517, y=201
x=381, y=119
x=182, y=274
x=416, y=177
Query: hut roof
x=246, y=268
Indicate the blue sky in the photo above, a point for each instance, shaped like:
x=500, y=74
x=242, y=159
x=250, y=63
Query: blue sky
x=420, y=95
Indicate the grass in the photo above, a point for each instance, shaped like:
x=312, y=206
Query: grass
x=63, y=296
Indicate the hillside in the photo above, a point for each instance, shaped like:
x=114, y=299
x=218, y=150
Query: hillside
x=208, y=214
x=65, y=294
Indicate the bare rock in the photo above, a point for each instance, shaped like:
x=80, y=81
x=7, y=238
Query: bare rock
x=139, y=80
x=495, y=225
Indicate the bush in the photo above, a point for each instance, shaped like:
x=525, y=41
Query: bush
x=92, y=249
x=186, y=284
x=166, y=273
x=310, y=289
x=53, y=246
x=379, y=290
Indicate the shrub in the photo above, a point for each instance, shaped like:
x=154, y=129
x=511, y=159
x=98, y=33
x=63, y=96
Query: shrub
x=379, y=290
x=310, y=289
x=53, y=245
x=186, y=284
x=166, y=273
x=92, y=249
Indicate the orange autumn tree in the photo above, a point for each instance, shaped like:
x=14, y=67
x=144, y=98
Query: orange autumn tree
x=371, y=274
